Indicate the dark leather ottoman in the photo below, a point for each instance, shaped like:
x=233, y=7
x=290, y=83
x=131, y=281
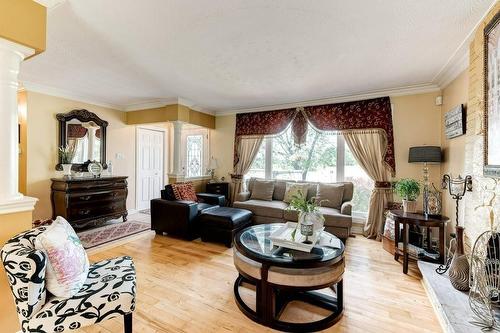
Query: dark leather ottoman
x=220, y=224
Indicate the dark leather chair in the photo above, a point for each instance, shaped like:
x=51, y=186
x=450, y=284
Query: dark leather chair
x=179, y=218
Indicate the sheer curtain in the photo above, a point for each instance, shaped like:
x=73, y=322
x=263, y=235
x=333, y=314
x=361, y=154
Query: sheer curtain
x=369, y=147
x=246, y=150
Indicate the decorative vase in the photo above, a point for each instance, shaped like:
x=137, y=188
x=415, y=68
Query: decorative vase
x=67, y=169
x=409, y=206
x=459, y=267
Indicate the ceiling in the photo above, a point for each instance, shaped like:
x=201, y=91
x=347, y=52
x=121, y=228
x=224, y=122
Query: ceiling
x=223, y=55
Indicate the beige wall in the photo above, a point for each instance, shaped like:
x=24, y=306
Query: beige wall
x=455, y=93
x=417, y=121
x=43, y=144
x=222, y=144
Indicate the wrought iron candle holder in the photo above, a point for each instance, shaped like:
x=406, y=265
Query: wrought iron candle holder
x=457, y=188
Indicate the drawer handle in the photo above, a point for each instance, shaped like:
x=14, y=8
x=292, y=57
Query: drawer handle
x=84, y=212
x=86, y=198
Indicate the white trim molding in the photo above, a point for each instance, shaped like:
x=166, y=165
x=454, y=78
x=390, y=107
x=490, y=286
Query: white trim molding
x=50, y=4
x=23, y=204
x=408, y=90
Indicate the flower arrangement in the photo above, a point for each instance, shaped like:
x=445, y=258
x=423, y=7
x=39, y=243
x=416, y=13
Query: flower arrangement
x=305, y=207
x=66, y=154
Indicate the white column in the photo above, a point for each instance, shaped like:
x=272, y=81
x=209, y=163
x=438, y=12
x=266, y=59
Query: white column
x=11, y=56
x=177, y=149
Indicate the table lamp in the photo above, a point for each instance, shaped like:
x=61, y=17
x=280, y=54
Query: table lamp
x=425, y=155
x=211, y=168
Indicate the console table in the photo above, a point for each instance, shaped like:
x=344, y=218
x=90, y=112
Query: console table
x=85, y=201
x=417, y=219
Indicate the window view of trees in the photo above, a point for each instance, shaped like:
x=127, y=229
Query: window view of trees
x=324, y=157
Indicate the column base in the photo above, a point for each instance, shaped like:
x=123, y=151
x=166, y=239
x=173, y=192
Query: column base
x=15, y=216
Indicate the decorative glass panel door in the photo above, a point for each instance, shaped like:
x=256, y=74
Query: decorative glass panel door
x=194, y=161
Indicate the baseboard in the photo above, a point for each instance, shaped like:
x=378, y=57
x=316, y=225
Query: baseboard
x=357, y=227
x=132, y=211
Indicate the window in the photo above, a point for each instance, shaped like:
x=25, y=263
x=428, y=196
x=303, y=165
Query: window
x=324, y=157
x=194, y=155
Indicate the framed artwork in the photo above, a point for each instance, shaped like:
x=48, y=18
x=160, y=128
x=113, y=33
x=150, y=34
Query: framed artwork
x=492, y=98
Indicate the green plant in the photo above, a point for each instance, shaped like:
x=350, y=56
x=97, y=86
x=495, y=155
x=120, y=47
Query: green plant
x=66, y=154
x=407, y=188
x=299, y=202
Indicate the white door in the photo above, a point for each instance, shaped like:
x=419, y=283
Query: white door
x=150, y=148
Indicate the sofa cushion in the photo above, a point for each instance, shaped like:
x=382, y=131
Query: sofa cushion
x=280, y=189
x=262, y=190
x=185, y=191
x=291, y=215
x=332, y=195
x=295, y=189
x=333, y=218
x=168, y=193
x=273, y=208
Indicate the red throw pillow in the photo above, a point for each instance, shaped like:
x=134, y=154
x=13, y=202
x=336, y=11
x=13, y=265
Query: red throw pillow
x=184, y=191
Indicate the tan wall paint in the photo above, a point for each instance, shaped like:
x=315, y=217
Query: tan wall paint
x=23, y=139
x=24, y=22
x=43, y=144
x=172, y=112
x=222, y=145
x=10, y=225
x=454, y=94
x=417, y=121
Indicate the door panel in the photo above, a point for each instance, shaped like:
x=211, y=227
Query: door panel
x=150, y=148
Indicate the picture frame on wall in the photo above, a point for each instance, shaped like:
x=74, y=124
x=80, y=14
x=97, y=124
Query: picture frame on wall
x=492, y=98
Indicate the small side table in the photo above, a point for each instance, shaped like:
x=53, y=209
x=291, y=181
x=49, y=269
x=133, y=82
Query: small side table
x=221, y=188
x=418, y=219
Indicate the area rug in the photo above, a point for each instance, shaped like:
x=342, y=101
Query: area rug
x=112, y=232
x=145, y=211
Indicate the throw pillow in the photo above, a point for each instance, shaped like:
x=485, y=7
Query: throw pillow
x=168, y=193
x=67, y=261
x=332, y=194
x=185, y=191
x=295, y=189
x=262, y=190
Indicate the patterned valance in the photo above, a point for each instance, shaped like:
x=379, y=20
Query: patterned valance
x=359, y=115
x=76, y=131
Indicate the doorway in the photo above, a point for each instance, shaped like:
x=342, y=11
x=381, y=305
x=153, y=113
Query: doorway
x=150, y=159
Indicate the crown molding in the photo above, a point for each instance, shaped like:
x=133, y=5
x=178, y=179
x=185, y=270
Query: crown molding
x=158, y=103
x=408, y=90
x=50, y=4
x=151, y=104
x=43, y=89
x=459, y=60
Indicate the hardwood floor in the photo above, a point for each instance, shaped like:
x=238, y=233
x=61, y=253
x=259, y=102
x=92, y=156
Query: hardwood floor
x=187, y=287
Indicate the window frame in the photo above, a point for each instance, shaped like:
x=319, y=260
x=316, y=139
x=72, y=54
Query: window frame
x=340, y=166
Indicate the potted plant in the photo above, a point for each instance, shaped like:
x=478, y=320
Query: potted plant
x=409, y=190
x=66, y=155
x=309, y=215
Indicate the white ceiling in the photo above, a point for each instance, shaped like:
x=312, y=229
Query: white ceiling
x=224, y=55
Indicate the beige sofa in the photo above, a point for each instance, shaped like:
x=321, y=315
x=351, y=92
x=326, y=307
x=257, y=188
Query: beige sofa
x=337, y=221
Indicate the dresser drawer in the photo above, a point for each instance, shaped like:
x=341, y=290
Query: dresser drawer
x=86, y=197
x=77, y=213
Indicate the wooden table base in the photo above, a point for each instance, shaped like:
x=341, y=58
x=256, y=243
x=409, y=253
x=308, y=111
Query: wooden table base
x=272, y=301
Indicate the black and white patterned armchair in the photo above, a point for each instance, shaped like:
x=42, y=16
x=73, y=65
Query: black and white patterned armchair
x=108, y=292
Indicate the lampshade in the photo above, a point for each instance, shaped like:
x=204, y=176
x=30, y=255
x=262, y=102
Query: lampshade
x=213, y=164
x=424, y=154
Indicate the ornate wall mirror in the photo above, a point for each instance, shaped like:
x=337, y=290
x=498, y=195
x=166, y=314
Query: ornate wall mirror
x=85, y=133
x=491, y=98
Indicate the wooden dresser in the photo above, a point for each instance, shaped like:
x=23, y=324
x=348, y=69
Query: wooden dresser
x=86, y=202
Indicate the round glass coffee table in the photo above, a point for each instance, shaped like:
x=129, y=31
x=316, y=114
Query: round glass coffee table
x=282, y=275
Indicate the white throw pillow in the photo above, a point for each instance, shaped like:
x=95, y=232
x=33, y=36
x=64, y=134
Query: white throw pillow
x=67, y=261
x=295, y=189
